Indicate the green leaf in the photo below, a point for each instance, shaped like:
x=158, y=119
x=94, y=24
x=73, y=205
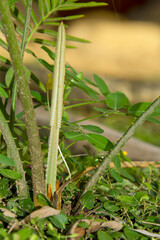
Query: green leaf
x=116, y=176
x=76, y=39
x=117, y=162
x=3, y=93
x=138, y=108
x=99, y=141
x=59, y=19
x=9, y=76
x=19, y=16
x=70, y=6
x=59, y=220
x=127, y=175
x=44, y=42
x=3, y=44
x=153, y=120
x=49, y=52
x=111, y=207
x=128, y=200
x=117, y=100
x=41, y=7
x=38, y=96
x=6, y=161
x=46, y=65
x=83, y=225
x=92, y=128
x=131, y=235
x=84, y=87
x=141, y=195
x=24, y=233
x=11, y=2
x=87, y=200
x=5, y=60
x=43, y=200
x=102, y=235
x=101, y=85
x=75, y=136
x=38, y=82
x=4, y=188
x=10, y=174
x=26, y=204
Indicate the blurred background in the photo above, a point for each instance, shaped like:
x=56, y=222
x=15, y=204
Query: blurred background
x=124, y=48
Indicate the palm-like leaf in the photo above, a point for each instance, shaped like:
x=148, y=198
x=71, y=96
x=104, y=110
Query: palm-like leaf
x=39, y=24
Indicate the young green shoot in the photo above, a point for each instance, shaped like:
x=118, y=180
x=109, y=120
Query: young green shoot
x=56, y=108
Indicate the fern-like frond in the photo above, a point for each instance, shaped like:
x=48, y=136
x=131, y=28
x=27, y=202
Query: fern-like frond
x=3, y=44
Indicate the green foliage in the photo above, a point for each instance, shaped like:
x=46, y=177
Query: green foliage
x=129, y=195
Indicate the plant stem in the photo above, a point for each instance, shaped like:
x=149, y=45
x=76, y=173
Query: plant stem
x=27, y=104
x=127, y=135
x=25, y=32
x=22, y=189
x=23, y=44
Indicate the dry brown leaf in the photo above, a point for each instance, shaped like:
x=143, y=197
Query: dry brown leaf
x=94, y=226
x=42, y=213
x=7, y=213
x=116, y=226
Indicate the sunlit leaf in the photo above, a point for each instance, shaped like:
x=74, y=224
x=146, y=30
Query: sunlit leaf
x=98, y=141
x=101, y=85
x=75, y=136
x=117, y=100
x=93, y=128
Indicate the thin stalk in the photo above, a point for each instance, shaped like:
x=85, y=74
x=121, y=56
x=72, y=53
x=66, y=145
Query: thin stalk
x=25, y=31
x=56, y=108
x=22, y=189
x=126, y=136
x=23, y=44
x=81, y=104
x=26, y=100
